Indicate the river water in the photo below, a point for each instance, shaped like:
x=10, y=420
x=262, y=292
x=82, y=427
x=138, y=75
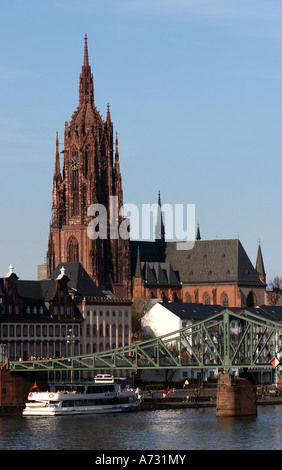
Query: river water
x=175, y=430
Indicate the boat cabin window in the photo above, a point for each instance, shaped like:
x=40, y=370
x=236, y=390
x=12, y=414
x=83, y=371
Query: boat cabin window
x=70, y=388
x=67, y=404
x=100, y=388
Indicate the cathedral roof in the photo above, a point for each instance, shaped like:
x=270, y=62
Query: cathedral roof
x=209, y=262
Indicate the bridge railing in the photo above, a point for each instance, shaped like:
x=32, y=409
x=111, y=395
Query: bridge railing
x=211, y=343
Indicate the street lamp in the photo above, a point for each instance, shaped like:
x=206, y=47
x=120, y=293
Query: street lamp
x=71, y=340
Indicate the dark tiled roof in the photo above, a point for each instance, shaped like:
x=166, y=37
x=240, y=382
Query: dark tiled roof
x=201, y=311
x=209, y=262
x=79, y=280
x=272, y=313
x=192, y=311
x=159, y=274
x=41, y=291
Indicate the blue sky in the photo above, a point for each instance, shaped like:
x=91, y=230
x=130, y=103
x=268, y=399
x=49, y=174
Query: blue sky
x=195, y=93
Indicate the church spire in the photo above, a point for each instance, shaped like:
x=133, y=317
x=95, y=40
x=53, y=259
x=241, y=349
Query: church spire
x=260, y=265
x=86, y=60
x=86, y=84
x=159, y=231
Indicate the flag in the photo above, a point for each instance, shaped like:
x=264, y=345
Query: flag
x=275, y=362
x=33, y=387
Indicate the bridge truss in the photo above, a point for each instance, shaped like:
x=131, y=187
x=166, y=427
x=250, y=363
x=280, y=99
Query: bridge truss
x=226, y=340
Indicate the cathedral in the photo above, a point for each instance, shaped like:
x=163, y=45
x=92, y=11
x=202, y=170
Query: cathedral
x=213, y=272
x=90, y=176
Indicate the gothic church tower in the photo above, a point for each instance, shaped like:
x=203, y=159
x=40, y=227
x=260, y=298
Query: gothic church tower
x=90, y=175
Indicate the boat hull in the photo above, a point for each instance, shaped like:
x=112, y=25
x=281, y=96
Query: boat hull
x=48, y=411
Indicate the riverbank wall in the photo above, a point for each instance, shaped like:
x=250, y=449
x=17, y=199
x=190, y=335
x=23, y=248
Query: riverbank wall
x=155, y=404
x=189, y=399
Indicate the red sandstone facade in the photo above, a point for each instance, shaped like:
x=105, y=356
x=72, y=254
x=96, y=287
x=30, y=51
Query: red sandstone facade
x=91, y=175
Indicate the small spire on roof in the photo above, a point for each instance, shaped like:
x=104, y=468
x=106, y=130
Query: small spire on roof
x=198, y=236
x=62, y=273
x=11, y=270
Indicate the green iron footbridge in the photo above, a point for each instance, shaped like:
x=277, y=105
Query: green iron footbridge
x=225, y=340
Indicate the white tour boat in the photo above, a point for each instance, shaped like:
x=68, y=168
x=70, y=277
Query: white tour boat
x=104, y=395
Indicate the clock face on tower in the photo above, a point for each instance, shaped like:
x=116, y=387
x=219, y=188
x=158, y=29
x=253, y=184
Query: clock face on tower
x=74, y=163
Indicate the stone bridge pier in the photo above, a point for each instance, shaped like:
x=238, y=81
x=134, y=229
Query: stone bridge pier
x=236, y=396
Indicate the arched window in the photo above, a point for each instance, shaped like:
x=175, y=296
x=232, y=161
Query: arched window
x=251, y=299
x=206, y=299
x=73, y=250
x=224, y=300
x=188, y=298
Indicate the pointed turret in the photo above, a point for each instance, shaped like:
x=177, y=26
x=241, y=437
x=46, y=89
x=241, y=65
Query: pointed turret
x=260, y=265
x=198, y=236
x=57, y=183
x=108, y=120
x=138, y=271
x=86, y=84
x=57, y=159
x=159, y=230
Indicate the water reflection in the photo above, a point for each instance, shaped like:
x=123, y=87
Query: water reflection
x=190, y=429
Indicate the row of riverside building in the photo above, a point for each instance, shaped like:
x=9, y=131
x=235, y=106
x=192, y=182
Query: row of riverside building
x=61, y=316
x=87, y=286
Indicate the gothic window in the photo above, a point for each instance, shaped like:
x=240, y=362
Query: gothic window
x=85, y=161
x=75, y=185
x=207, y=299
x=188, y=298
x=251, y=299
x=224, y=300
x=72, y=250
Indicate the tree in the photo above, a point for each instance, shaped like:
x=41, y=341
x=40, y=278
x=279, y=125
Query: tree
x=139, y=308
x=276, y=285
